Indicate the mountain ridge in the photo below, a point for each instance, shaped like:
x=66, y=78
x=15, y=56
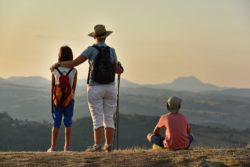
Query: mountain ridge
x=32, y=103
x=180, y=81
x=186, y=83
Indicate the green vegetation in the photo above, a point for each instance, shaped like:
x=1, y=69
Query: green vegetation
x=19, y=135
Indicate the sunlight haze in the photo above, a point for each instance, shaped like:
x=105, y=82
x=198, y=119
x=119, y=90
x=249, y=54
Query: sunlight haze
x=156, y=41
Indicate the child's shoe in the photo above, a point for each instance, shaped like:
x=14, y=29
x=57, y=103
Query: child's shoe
x=51, y=149
x=156, y=147
x=66, y=149
x=107, y=148
x=94, y=148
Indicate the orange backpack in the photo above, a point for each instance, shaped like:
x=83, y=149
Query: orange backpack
x=62, y=92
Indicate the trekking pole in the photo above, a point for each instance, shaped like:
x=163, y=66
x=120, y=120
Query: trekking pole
x=116, y=136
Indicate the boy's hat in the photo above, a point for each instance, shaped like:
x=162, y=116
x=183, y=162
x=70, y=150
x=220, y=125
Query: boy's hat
x=173, y=104
x=100, y=32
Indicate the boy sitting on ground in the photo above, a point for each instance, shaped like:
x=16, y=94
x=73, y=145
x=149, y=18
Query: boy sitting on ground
x=177, y=135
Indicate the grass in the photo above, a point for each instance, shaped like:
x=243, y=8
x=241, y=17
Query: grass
x=131, y=157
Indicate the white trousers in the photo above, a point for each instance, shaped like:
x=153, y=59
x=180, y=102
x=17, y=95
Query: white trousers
x=102, y=105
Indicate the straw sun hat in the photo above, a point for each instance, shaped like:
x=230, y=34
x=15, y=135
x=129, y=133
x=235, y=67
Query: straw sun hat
x=100, y=32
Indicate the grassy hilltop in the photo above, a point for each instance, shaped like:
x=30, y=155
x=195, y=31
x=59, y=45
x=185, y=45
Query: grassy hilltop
x=199, y=157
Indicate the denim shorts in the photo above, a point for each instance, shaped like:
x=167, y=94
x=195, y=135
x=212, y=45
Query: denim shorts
x=158, y=140
x=65, y=112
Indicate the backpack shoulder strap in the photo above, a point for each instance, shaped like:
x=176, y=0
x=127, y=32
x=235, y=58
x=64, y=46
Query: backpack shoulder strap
x=101, y=49
x=107, y=47
x=97, y=47
x=69, y=71
x=88, y=75
x=57, y=69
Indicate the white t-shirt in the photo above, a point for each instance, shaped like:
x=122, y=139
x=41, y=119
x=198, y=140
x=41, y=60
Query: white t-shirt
x=65, y=71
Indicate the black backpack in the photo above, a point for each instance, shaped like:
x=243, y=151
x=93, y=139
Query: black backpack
x=102, y=68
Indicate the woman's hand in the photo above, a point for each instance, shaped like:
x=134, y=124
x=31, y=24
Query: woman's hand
x=54, y=66
x=118, y=68
x=69, y=64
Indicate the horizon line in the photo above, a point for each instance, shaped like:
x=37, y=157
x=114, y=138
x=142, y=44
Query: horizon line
x=142, y=84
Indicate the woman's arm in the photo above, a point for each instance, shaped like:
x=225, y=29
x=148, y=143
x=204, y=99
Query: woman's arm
x=74, y=83
x=69, y=64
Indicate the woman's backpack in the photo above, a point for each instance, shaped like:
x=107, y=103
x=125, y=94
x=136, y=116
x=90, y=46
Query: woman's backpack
x=103, y=68
x=62, y=92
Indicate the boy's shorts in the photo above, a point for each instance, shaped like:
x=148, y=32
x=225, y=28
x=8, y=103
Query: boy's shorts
x=66, y=112
x=158, y=140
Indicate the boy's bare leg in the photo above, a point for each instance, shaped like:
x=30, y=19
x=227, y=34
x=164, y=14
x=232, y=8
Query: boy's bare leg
x=67, y=138
x=54, y=136
x=149, y=136
x=98, y=133
x=109, y=133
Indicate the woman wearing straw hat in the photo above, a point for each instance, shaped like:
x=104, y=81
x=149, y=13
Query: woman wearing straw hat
x=101, y=95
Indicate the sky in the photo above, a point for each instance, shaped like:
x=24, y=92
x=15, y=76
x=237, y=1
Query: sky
x=156, y=41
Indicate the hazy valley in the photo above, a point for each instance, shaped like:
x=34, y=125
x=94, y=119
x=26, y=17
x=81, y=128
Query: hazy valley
x=29, y=99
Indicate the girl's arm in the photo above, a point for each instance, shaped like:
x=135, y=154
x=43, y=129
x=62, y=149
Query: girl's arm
x=69, y=64
x=74, y=83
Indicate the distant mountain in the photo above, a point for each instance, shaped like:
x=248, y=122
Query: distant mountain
x=204, y=108
x=236, y=92
x=123, y=83
x=127, y=84
x=190, y=83
x=226, y=107
x=37, y=81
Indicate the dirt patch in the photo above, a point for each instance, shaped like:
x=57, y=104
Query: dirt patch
x=132, y=157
